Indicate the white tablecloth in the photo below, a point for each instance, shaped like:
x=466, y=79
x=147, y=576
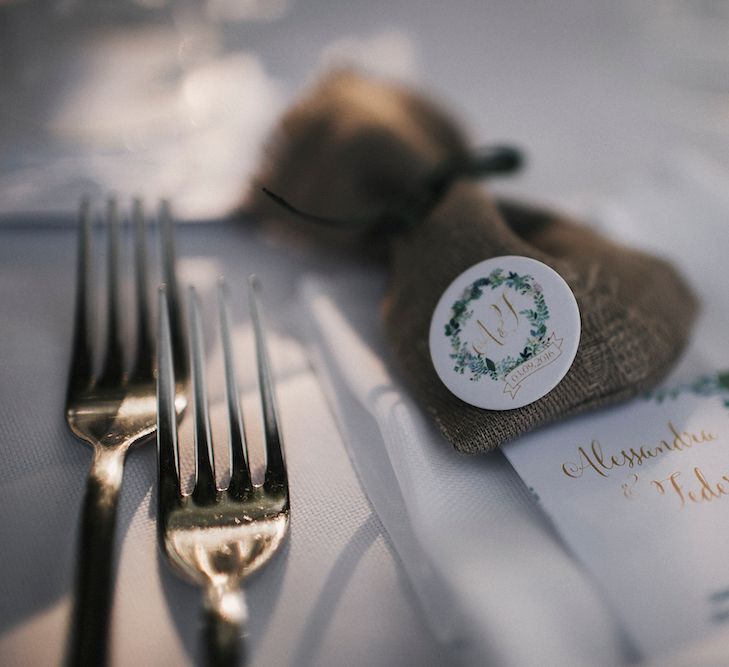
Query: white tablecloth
x=339, y=592
x=175, y=99
x=335, y=595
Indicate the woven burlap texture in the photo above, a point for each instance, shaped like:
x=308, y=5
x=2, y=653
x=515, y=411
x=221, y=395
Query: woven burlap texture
x=355, y=145
x=635, y=310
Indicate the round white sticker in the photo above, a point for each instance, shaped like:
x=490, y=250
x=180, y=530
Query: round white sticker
x=505, y=332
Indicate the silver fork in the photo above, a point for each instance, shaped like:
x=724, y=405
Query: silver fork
x=216, y=538
x=111, y=411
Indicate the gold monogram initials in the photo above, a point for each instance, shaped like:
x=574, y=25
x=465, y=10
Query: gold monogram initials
x=500, y=331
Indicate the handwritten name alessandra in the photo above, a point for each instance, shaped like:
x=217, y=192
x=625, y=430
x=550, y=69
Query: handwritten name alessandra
x=593, y=459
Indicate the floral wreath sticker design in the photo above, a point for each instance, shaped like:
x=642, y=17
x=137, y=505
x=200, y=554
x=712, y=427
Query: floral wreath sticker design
x=538, y=349
x=504, y=333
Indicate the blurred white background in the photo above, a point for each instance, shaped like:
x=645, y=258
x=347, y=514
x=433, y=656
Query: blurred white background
x=176, y=98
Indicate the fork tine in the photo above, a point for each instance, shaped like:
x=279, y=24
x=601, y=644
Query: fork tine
x=113, y=367
x=275, y=479
x=81, y=355
x=205, y=489
x=143, y=363
x=240, y=474
x=170, y=278
x=168, y=457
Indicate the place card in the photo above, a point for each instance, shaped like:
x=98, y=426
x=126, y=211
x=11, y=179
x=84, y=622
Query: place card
x=640, y=495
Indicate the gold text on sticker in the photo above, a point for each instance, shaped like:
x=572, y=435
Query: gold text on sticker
x=500, y=331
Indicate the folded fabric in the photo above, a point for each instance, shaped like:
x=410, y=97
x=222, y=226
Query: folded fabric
x=490, y=575
x=361, y=150
x=493, y=580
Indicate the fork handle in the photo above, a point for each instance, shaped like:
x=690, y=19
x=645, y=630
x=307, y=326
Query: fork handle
x=225, y=617
x=92, y=602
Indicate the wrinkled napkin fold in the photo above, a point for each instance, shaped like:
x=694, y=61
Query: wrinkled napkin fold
x=492, y=578
x=489, y=572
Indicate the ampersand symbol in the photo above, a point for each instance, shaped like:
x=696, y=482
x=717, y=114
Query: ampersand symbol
x=629, y=486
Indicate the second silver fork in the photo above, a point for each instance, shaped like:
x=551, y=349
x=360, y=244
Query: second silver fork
x=217, y=537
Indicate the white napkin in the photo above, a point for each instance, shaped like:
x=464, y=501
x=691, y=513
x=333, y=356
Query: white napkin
x=492, y=578
x=493, y=581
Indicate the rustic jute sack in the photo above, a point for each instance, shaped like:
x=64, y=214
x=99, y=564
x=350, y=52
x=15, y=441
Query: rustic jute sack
x=388, y=164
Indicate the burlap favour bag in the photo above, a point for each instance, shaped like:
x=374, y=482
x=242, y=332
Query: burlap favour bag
x=388, y=164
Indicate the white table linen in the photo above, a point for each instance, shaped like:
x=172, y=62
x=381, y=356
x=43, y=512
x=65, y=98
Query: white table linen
x=492, y=578
x=335, y=595
x=485, y=577
x=485, y=564
x=596, y=92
